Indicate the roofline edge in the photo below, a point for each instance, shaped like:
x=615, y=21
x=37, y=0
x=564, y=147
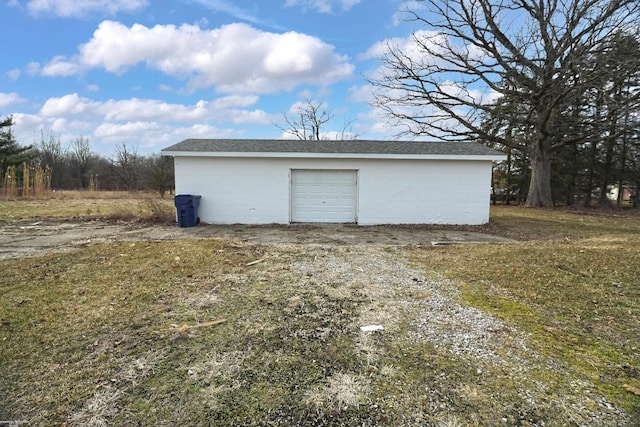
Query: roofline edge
x=232, y=154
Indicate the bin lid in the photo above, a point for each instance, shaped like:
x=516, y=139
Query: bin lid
x=186, y=199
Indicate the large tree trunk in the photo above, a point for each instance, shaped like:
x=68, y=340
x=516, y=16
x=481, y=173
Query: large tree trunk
x=540, y=185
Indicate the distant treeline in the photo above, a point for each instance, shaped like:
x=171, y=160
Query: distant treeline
x=51, y=165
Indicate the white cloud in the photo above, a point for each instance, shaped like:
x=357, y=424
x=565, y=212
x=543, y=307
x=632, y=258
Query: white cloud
x=231, y=9
x=233, y=58
x=27, y=127
x=81, y=8
x=153, y=135
x=412, y=46
x=59, y=67
x=361, y=94
x=148, y=136
x=402, y=14
x=225, y=109
x=145, y=122
x=372, y=122
x=323, y=6
x=33, y=68
x=14, y=74
x=119, y=130
x=67, y=105
x=7, y=99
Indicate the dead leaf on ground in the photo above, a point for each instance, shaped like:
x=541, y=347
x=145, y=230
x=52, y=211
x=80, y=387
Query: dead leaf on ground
x=632, y=389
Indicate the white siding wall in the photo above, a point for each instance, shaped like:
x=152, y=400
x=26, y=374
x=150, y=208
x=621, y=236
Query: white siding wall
x=257, y=190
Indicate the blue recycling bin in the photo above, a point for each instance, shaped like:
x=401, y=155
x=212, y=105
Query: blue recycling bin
x=187, y=209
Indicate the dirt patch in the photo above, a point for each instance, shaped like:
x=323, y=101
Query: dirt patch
x=18, y=239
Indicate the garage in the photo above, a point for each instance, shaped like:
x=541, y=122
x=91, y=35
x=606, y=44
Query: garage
x=324, y=196
x=363, y=182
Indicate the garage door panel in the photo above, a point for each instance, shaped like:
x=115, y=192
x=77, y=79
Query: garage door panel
x=323, y=196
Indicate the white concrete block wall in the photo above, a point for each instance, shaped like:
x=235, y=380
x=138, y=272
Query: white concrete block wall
x=425, y=192
x=257, y=190
x=246, y=191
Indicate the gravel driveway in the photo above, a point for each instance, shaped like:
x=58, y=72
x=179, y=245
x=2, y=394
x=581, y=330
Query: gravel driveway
x=398, y=291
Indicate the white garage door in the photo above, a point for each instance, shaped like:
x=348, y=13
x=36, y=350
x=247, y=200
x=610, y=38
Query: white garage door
x=323, y=195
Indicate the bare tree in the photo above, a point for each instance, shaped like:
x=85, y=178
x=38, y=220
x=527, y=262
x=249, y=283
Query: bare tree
x=159, y=173
x=82, y=157
x=53, y=156
x=126, y=166
x=524, y=53
x=308, y=121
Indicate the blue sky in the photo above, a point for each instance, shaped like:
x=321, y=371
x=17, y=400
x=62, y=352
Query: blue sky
x=149, y=73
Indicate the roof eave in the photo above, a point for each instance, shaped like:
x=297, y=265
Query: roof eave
x=281, y=155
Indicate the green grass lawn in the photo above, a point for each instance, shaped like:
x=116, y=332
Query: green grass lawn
x=120, y=333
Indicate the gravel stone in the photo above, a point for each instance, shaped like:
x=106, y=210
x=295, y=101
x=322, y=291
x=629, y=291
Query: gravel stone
x=384, y=275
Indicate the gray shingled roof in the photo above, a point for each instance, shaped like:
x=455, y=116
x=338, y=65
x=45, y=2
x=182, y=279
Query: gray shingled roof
x=461, y=148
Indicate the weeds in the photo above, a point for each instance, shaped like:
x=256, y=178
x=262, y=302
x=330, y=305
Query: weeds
x=150, y=211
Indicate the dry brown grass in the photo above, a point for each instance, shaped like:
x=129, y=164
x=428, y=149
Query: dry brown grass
x=100, y=205
x=340, y=392
x=86, y=195
x=94, y=336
